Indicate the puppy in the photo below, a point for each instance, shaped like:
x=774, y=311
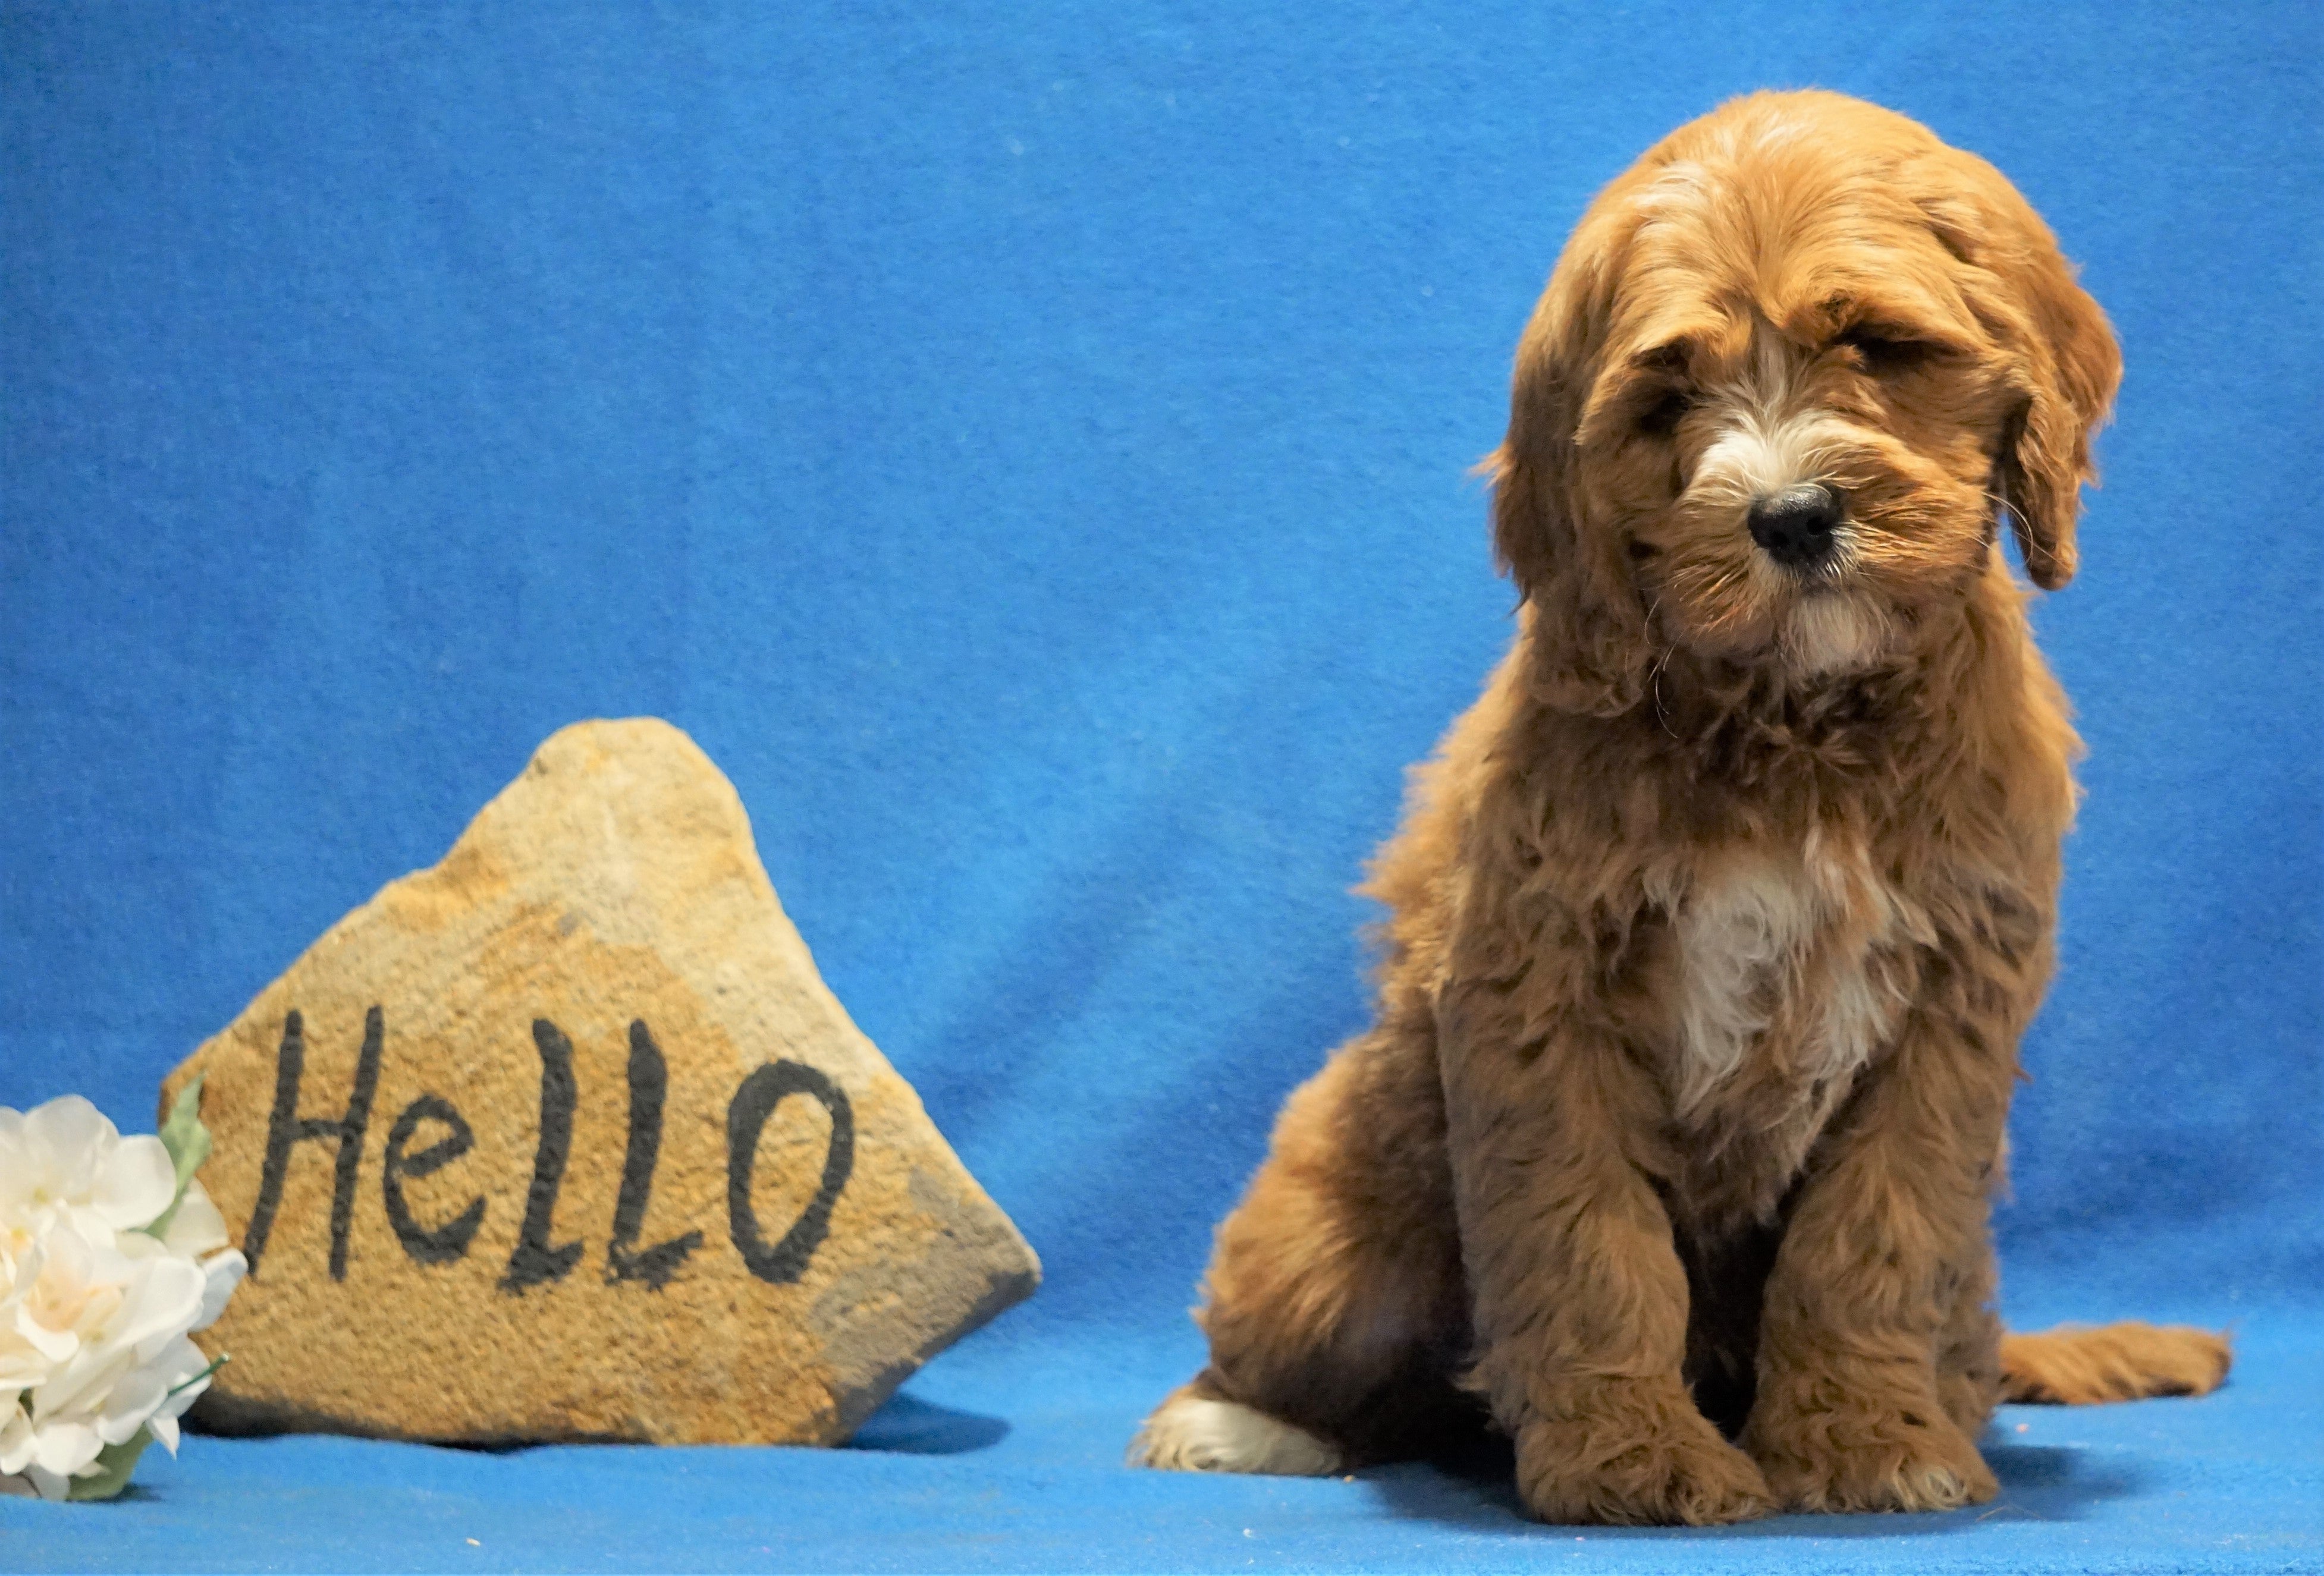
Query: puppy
x=1714, y=923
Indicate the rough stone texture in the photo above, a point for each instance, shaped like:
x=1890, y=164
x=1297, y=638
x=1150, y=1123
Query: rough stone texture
x=614, y=883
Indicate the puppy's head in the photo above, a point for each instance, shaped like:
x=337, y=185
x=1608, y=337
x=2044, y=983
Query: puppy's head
x=1787, y=375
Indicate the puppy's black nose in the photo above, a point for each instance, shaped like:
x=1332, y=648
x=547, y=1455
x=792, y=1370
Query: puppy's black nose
x=1794, y=526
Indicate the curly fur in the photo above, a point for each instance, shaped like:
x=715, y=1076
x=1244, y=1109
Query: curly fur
x=1714, y=925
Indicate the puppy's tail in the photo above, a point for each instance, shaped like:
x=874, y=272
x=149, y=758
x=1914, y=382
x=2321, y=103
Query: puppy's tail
x=2078, y=1366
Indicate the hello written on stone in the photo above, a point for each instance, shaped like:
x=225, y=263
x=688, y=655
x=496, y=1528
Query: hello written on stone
x=538, y=1258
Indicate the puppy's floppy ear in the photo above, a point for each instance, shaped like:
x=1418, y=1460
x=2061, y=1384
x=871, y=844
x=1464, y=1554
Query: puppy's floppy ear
x=1589, y=634
x=2072, y=370
x=2066, y=363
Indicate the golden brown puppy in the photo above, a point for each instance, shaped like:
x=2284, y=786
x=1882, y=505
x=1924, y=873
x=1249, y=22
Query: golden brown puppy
x=1715, y=923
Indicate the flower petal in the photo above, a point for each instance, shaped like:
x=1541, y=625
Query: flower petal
x=66, y=1394
x=179, y=1363
x=19, y=1370
x=53, y=1346
x=68, y=1255
x=150, y=1391
x=15, y=1171
x=17, y=1442
x=130, y=1244
x=123, y=1408
x=88, y=1222
x=68, y=1138
x=135, y=1184
x=164, y=1299
x=221, y=1274
x=196, y=1228
x=65, y=1446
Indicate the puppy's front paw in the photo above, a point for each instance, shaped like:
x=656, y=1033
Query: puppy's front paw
x=1860, y=1457
x=1632, y=1455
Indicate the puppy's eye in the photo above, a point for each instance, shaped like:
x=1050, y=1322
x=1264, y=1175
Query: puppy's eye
x=1883, y=351
x=1662, y=417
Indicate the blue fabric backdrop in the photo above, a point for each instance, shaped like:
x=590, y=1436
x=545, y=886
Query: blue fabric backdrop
x=1028, y=452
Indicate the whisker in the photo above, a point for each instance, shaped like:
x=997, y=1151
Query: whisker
x=1655, y=678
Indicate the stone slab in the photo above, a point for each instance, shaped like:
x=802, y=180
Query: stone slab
x=565, y=1138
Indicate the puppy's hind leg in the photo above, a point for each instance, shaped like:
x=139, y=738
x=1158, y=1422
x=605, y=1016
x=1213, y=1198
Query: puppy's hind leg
x=1197, y=1429
x=1333, y=1302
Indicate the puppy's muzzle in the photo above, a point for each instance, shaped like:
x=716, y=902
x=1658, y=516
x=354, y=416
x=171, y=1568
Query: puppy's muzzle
x=1796, y=526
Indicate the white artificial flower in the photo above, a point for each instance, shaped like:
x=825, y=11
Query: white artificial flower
x=95, y=1307
x=66, y=1161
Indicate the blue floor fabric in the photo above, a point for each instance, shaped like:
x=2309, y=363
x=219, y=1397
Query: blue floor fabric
x=1006, y=1458
x=1029, y=449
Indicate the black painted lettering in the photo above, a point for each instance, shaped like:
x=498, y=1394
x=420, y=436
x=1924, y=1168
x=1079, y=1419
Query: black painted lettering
x=746, y=1119
x=534, y=1260
x=649, y=1086
x=445, y=1243
x=285, y=1128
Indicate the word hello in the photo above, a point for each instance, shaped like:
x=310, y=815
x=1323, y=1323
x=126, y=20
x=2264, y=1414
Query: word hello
x=537, y=1260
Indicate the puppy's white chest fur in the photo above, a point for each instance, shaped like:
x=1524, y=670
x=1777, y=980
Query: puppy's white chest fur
x=1784, y=974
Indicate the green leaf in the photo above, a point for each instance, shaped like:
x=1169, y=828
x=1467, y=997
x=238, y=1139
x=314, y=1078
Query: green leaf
x=115, y=1462
x=183, y=1135
x=189, y=1143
